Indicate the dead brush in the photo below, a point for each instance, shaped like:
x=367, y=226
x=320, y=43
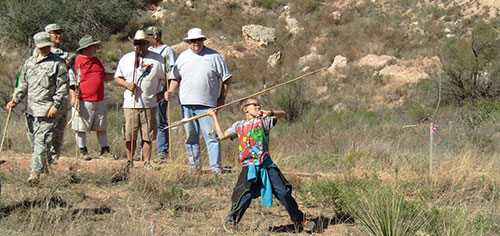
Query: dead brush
x=159, y=188
x=467, y=179
x=100, y=176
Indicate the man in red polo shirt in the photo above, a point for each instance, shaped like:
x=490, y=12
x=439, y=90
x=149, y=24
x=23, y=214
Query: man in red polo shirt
x=87, y=95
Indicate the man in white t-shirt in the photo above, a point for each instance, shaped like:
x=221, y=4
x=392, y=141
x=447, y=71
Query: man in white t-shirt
x=144, y=84
x=201, y=71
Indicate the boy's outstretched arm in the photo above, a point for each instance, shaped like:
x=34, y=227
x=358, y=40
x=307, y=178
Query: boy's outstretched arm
x=276, y=114
x=222, y=135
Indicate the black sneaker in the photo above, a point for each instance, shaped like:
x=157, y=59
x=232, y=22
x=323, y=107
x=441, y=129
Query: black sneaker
x=84, y=151
x=230, y=227
x=106, y=153
x=307, y=225
x=85, y=154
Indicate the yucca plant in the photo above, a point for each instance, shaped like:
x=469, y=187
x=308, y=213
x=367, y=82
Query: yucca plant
x=386, y=213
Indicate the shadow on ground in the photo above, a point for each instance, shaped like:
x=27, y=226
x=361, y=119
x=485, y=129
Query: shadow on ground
x=53, y=202
x=322, y=224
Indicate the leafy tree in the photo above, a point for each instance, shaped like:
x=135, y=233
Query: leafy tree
x=21, y=19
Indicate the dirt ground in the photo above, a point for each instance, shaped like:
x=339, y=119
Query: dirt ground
x=107, y=201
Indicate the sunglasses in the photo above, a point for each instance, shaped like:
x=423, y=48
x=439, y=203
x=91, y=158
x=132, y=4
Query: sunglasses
x=195, y=40
x=139, y=43
x=251, y=104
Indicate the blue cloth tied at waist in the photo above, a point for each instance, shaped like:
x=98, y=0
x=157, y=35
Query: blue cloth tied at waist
x=266, y=189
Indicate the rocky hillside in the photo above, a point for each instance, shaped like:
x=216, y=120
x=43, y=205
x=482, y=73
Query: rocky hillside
x=394, y=40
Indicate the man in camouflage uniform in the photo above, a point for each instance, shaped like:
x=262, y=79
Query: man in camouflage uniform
x=55, y=31
x=45, y=83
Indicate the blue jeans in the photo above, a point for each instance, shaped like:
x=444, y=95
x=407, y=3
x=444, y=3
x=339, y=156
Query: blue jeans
x=280, y=191
x=161, y=118
x=193, y=137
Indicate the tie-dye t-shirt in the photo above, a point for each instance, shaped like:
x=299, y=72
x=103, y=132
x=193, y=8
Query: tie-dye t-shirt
x=253, y=136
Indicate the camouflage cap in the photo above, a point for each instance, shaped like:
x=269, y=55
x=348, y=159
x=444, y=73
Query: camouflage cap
x=53, y=27
x=42, y=39
x=152, y=30
x=87, y=41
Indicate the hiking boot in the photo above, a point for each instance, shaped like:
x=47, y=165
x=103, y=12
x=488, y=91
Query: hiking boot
x=106, y=153
x=147, y=166
x=34, y=178
x=307, y=225
x=85, y=154
x=230, y=227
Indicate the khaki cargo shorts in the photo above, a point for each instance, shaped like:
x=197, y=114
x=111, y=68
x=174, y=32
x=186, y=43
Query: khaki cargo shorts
x=144, y=123
x=93, y=116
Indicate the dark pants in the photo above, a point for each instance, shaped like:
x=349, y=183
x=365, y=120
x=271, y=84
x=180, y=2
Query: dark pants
x=161, y=118
x=280, y=191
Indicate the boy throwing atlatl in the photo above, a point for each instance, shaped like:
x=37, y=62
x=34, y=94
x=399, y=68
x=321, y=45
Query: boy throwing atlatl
x=259, y=175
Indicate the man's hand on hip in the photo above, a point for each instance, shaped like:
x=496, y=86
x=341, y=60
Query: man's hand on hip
x=52, y=112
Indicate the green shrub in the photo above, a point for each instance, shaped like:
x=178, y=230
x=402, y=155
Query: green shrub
x=334, y=193
x=384, y=212
x=481, y=113
x=455, y=222
x=472, y=65
x=292, y=100
x=22, y=19
x=268, y=4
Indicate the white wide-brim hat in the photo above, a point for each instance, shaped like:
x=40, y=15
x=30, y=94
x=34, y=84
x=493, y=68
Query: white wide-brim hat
x=195, y=33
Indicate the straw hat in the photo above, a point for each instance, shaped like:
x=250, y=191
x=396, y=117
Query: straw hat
x=140, y=35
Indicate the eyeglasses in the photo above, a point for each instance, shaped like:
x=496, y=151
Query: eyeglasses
x=139, y=43
x=196, y=40
x=251, y=104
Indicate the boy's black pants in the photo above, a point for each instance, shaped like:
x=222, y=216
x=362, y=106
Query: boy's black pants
x=244, y=191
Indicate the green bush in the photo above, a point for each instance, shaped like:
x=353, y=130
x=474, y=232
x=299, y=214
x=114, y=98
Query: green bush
x=472, y=65
x=20, y=20
x=455, y=222
x=385, y=212
x=292, y=100
x=481, y=113
x=268, y=4
x=330, y=193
